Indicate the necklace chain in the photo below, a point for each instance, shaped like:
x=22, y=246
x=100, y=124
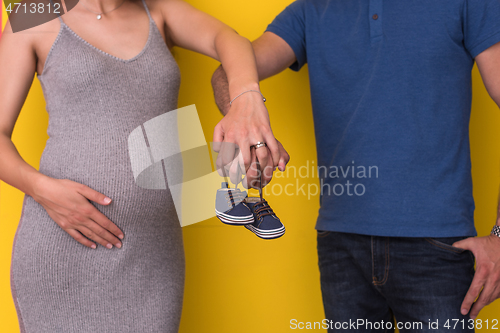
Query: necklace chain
x=99, y=15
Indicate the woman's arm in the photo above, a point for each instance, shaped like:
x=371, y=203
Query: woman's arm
x=65, y=201
x=17, y=68
x=273, y=56
x=247, y=122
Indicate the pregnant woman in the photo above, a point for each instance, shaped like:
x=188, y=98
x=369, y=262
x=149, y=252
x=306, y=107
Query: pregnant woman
x=93, y=251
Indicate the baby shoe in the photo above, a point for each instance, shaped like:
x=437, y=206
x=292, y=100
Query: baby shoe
x=266, y=225
x=230, y=206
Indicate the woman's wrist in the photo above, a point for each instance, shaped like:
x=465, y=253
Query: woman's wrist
x=251, y=97
x=237, y=89
x=38, y=184
x=248, y=102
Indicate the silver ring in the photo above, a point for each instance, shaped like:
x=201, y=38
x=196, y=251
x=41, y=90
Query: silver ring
x=259, y=145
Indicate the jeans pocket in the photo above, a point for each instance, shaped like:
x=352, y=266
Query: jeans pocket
x=323, y=233
x=445, y=243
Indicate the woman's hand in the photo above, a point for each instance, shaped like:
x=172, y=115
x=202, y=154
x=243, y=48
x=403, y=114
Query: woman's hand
x=246, y=123
x=67, y=203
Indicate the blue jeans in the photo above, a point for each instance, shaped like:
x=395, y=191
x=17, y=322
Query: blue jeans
x=419, y=283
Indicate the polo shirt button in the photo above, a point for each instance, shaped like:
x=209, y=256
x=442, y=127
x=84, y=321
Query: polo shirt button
x=375, y=16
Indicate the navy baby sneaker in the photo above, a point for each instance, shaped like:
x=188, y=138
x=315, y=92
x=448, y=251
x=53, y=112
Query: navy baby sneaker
x=230, y=206
x=266, y=225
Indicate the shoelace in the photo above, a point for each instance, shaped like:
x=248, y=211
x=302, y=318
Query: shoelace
x=235, y=196
x=262, y=209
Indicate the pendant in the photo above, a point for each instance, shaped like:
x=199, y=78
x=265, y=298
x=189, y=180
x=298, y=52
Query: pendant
x=99, y=16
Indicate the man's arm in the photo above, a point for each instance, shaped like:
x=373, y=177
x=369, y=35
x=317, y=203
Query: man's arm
x=486, y=283
x=488, y=63
x=273, y=55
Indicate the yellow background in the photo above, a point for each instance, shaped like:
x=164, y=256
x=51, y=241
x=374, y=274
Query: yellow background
x=236, y=282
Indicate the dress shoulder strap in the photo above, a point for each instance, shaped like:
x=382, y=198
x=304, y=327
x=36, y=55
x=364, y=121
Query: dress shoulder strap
x=147, y=9
x=61, y=13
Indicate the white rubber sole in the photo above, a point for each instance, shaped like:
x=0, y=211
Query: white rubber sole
x=231, y=220
x=267, y=234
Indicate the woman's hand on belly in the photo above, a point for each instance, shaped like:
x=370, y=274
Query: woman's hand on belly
x=67, y=203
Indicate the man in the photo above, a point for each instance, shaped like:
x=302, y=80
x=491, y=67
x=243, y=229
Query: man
x=391, y=88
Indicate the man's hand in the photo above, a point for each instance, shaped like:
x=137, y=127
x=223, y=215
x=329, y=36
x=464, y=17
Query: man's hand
x=252, y=178
x=486, y=282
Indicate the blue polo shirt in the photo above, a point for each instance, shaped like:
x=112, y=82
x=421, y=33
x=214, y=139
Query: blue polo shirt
x=391, y=95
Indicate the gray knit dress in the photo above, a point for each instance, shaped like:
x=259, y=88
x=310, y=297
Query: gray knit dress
x=94, y=101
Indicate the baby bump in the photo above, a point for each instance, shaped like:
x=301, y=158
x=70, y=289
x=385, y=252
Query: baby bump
x=48, y=259
x=107, y=170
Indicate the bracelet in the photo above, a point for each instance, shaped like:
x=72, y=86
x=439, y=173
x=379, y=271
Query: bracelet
x=263, y=98
x=496, y=231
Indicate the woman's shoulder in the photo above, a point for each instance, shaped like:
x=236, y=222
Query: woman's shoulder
x=166, y=7
x=30, y=35
x=24, y=24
